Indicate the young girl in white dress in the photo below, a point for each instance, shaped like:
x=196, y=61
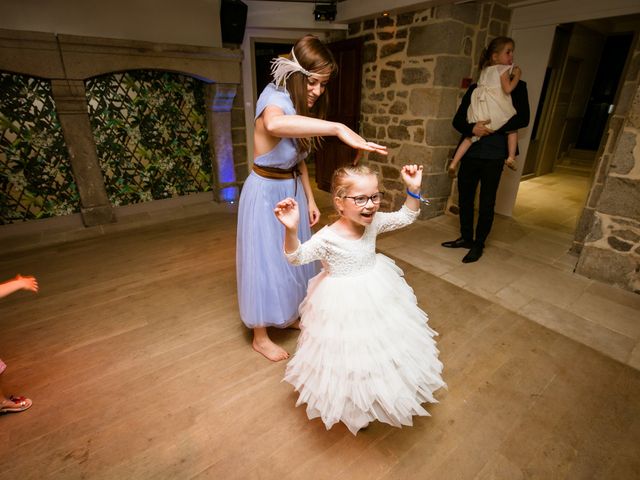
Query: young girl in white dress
x=491, y=100
x=365, y=351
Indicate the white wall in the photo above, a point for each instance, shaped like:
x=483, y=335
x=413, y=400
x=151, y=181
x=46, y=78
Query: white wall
x=188, y=22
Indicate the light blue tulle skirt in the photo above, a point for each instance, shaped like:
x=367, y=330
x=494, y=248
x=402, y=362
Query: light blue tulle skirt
x=270, y=290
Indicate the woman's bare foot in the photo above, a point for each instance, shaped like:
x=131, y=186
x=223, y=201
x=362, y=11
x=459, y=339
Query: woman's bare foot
x=263, y=345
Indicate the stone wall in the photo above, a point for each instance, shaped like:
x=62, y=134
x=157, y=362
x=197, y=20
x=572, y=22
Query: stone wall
x=610, y=223
x=414, y=65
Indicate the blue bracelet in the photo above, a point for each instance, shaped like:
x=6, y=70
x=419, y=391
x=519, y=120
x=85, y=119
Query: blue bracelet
x=418, y=197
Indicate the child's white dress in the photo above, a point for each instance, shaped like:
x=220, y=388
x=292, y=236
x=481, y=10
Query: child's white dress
x=365, y=351
x=488, y=100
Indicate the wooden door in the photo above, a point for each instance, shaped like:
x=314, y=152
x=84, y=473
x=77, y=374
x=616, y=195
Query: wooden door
x=344, y=97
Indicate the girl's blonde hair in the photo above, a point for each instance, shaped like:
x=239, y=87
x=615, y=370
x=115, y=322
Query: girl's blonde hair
x=313, y=56
x=495, y=46
x=342, y=179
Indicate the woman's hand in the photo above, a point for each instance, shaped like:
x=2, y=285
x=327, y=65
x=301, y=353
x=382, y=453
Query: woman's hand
x=287, y=213
x=412, y=177
x=354, y=140
x=314, y=213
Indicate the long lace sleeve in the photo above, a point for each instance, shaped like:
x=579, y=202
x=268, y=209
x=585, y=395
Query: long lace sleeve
x=307, y=252
x=387, y=221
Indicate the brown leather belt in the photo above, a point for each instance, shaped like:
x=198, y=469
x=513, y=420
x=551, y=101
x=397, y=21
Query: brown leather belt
x=278, y=173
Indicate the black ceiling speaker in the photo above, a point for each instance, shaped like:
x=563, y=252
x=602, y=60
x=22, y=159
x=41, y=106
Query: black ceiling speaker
x=325, y=12
x=233, y=20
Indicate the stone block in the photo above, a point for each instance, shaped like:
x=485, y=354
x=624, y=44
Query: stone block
x=434, y=209
x=401, y=34
x=434, y=39
x=402, y=93
x=370, y=84
x=398, y=108
x=633, y=118
x=394, y=64
x=398, y=132
x=433, y=102
x=437, y=185
x=620, y=197
x=390, y=172
x=467, y=13
x=369, y=53
x=439, y=132
x=377, y=157
x=239, y=154
x=418, y=135
x=412, y=123
x=368, y=37
x=501, y=12
x=237, y=117
x=615, y=127
x=376, y=97
x=623, y=161
x=450, y=71
x=619, y=245
x=368, y=24
x=238, y=136
x=367, y=107
x=432, y=159
x=608, y=266
x=626, y=97
x=405, y=18
x=486, y=14
x=412, y=76
x=382, y=133
x=495, y=28
x=628, y=235
x=585, y=225
x=391, y=95
x=385, y=35
x=391, y=48
x=381, y=119
x=387, y=78
x=355, y=28
x=368, y=130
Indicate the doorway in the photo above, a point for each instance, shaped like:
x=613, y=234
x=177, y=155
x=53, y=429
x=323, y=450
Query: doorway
x=581, y=83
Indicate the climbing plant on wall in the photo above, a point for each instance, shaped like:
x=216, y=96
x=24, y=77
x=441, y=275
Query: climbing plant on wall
x=35, y=174
x=151, y=135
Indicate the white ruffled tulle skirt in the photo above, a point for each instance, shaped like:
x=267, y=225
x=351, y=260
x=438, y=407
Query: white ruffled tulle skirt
x=365, y=351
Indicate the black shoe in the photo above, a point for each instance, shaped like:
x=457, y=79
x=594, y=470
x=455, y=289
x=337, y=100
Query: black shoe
x=458, y=243
x=474, y=254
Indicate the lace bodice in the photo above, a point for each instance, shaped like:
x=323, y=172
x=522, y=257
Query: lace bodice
x=341, y=256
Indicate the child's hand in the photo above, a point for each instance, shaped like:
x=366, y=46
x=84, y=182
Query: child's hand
x=287, y=213
x=412, y=176
x=27, y=283
x=516, y=72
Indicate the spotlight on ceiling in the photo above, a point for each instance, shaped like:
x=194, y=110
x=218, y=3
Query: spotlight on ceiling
x=325, y=12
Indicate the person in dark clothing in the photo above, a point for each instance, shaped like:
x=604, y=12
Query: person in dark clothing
x=483, y=164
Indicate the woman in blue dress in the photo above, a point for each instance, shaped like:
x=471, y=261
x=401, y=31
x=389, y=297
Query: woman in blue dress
x=289, y=122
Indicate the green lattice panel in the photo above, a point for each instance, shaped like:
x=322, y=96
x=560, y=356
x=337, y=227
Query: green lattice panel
x=35, y=174
x=151, y=135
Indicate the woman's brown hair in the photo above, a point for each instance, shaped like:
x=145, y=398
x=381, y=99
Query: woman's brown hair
x=313, y=56
x=495, y=46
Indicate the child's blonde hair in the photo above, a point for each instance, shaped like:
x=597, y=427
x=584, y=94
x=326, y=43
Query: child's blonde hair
x=342, y=179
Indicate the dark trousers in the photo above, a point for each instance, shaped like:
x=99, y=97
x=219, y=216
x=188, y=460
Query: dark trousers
x=487, y=173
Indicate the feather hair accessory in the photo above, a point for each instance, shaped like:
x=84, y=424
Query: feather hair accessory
x=282, y=68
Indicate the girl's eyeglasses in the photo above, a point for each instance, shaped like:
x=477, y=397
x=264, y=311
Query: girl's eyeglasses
x=362, y=200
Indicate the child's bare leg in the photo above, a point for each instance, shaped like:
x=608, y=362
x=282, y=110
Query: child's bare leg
x=512, y=142
x=263, y=344
x=460, y=151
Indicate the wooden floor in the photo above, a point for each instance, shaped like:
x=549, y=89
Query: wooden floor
x=139, y=367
